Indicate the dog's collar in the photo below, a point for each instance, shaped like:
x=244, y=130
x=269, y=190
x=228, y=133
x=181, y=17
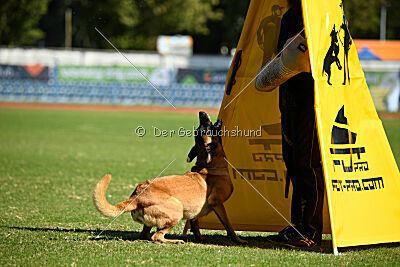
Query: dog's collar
x=217, y=171
x=210, y=171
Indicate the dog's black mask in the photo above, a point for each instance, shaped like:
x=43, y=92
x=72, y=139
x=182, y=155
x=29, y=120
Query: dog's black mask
x=204, y=144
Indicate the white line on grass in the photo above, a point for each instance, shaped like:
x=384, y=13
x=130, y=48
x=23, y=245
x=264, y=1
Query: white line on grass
x=135, y=198
x=144, y=76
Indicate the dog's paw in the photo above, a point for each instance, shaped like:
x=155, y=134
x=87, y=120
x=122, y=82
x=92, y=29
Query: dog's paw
x=145, y=238
x=175, y=241
x=169, y=241
x=200, y=238
x=240, y=241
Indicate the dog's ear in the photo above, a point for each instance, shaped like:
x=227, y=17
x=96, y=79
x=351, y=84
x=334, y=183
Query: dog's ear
x=218, y=124
x=204, y=119
x=192, y=154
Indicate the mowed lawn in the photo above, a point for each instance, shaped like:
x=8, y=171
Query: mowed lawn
x=50, y=161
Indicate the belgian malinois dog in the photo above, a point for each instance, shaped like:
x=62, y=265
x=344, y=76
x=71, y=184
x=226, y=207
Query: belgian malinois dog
x=162, y=202
x=208, y=145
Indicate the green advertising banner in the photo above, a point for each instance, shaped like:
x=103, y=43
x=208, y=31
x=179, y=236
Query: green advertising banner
x=104, y=73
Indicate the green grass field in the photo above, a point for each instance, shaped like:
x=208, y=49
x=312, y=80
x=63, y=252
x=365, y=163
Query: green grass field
x=50, y=161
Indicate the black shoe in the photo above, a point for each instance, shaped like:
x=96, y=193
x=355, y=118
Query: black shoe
x=292, y=237
x=284, y=236
x=302, y=242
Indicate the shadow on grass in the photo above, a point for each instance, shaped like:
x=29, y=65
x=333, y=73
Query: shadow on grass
x=106, y=235
x=210, y=239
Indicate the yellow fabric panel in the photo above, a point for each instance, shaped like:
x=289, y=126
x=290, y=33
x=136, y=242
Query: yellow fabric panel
x=362, y=177
x=259, y=158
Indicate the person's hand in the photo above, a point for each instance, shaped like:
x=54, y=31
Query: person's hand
x=295, y=54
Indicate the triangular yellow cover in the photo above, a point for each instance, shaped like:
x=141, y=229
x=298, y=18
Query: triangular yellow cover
x=362, y=178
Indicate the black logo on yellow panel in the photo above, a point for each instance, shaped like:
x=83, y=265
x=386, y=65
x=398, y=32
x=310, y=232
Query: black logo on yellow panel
x=349, y=158
x=340, y=39
x=269, y=154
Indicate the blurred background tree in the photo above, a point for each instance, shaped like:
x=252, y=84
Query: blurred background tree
x=135, y=24
x=129, y=24
x=363, y=17
x=393, y=23
x=19, y=21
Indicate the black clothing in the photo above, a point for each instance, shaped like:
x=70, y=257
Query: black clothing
x=300, y=140
x=298, y=91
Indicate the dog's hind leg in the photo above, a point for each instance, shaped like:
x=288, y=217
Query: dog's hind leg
x=195, y=228
x=166, y=214
x=145, y=234
x=223, y=217
x=187, y=227
x=159, y=235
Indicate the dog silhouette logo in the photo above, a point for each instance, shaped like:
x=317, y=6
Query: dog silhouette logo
x=343, y=36
x=332, y=55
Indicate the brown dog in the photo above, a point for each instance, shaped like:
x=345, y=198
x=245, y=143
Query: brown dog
x=219, y=185
x=162, y=202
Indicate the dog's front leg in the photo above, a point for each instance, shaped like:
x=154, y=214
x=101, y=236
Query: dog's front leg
x=220, y=211
x=194, y=227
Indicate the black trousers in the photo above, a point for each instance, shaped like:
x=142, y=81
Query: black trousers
x=303, y=162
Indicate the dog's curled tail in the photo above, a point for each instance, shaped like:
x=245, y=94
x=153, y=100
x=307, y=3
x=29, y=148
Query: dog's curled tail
x=101, y=203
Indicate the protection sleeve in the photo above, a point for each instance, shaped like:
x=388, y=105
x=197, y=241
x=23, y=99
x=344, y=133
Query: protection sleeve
x=293, y=60
x=273, y=75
